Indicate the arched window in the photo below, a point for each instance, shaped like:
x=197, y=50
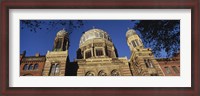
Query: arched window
x=58, y=43
x=148, y=63
x=99, y=52
x=25, y=67
x=89, y=73
x=88, y=54
x=115, y=73
x=30, y=67
x=35, y=67
x=133, y=43
x=137, y=42
x=52, y=70
x=167, y=70
x=57, y=70
x=102, y=73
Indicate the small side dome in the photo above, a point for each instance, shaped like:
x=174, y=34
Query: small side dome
x=62, y=33
x=130, y=32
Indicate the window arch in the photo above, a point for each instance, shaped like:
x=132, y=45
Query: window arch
x=25, y=67
x=102, y=73
x=148, y=63
x=55, y=69
x=30, y=67
x=115, y=73
x=89, y=73
x=35, y=67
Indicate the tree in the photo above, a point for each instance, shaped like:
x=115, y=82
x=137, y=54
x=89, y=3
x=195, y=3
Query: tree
x=160, y=35
x=36, y=25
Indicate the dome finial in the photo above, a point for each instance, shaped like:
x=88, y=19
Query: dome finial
x=128, y=28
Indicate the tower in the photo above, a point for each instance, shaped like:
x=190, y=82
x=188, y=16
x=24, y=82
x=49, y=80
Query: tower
x=57, y=59
x=142, y=61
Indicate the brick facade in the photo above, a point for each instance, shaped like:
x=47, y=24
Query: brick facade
x=32, y=65
x=170, y=66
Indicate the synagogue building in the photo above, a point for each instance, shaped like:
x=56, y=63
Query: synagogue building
x=97, y=56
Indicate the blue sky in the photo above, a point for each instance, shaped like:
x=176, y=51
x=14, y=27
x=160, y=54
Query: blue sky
x=42, y=40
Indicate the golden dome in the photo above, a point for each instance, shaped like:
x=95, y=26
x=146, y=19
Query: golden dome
x=94, y=33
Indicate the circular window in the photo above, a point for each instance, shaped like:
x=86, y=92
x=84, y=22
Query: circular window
x=89, y=73
x=102, y=73
x=115, y=73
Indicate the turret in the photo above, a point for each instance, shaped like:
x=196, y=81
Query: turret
x=142, y=61
x=61, y=42
x=133, y=40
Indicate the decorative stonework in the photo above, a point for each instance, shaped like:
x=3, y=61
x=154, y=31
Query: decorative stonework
x=170, y=66
x=53, y=58
x=32, y=65
x=106, y=46
x=96, y=65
